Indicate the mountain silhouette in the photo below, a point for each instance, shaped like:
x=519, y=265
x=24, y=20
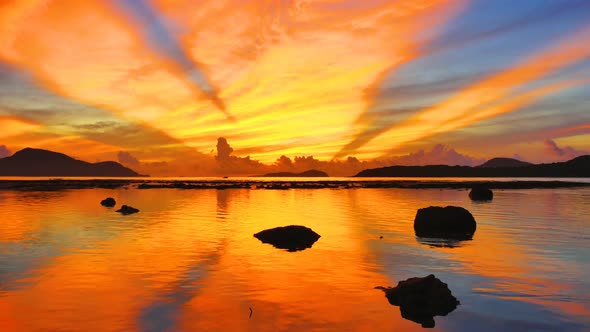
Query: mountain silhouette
x=577, y=167
x=309, y=173
x=38, y=162
x=505, y=162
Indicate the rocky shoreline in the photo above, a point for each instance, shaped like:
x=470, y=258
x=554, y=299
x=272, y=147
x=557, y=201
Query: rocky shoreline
x=67, y=184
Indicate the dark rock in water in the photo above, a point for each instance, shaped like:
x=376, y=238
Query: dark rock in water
x=420, y=299
x=292, y=238
x=481, y=194
x=125, y=209
x=449, y=222
x=108, y=202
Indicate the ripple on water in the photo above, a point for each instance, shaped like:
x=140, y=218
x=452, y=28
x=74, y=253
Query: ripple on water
x=189, y=261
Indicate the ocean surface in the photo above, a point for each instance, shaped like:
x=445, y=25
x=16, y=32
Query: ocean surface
x=189, y=262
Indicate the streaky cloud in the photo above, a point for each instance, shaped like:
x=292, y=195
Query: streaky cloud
x=4, y=151
x=562, y=153
x=473, y=34
x=161, y=38
x=377, y=117
x=494, y=95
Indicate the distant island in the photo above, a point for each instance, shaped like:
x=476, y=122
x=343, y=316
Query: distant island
x=38, y=162
x=498, y=167
x=312, y=173
x=505, y=162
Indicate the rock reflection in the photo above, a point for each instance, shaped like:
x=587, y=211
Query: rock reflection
x=441, y=242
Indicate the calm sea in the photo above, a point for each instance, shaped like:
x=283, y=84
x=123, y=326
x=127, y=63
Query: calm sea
x=189, y=262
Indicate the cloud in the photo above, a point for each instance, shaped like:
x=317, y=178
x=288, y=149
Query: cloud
x=227, y=164
x=127, y=159
x=97, y=126
x=475, y=32
x=562, y=153
x=162, y=40
x=224, y=150
x=439, y=154
x=4, y=151
x=496, y=94
x=27, y=104
x=14, y=125
x=518, y=156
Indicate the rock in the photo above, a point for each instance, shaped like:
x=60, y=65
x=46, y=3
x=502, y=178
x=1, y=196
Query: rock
x=420, y=299
x=451, y=222
x=108, y=202
x=292, y=238
x=125, y=209
x=481, y=194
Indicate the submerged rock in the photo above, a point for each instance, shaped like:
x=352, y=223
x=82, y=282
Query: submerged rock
x=480, y=193
x=449, y=222
x=125, y=209
x=108, y=202
x=420, y=299
x=292, y=238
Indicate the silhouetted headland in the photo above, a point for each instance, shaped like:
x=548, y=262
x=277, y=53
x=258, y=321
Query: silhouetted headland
x=307, y=174
x=451, y=222
x=420, y=299
x=577, y=167
x=292, y=238
x=38, y=162
x=504, y=162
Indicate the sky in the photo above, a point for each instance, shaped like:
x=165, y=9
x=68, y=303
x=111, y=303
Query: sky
x=184, y=87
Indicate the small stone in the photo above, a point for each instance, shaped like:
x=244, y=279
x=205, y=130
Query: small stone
x=108, y=202
x=125, y=209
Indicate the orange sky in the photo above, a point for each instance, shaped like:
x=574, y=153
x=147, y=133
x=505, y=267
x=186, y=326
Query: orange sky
x=275, y=78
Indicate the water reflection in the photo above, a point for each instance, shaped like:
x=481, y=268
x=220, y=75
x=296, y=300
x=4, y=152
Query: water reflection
x=223, y=198
x=440, y=242
x=68, y=263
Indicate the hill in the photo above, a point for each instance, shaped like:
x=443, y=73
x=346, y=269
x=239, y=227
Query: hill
x=309, y=173
x=577, y=167
x=38, y=162
x=504, y=162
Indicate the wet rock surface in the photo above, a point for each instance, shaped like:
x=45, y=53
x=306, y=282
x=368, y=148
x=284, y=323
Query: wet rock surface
x=481, y=194
x=451, y=222
x=292, y=238
x=108, y=202
x=125, y=209
x=421, y=299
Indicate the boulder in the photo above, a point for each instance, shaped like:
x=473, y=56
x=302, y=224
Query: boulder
x=481, y=194
x=292, y=238
x=108, y=202
x=420, y=299
x=125, y=209
x=451, y=222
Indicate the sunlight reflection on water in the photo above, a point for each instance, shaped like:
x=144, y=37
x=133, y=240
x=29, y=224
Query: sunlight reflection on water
x=188, y=260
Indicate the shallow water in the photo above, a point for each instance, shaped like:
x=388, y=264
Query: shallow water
x=188, y=260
